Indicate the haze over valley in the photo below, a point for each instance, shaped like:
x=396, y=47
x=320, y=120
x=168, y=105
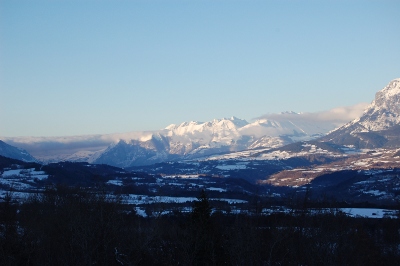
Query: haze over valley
x=202, y=132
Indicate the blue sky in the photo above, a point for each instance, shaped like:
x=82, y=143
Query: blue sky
x=88, y=67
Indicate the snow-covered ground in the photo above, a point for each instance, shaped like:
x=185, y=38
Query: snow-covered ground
x=115, y=182
x=21, y=179
x=144, y=199
x=369, y=212
x=228, y=167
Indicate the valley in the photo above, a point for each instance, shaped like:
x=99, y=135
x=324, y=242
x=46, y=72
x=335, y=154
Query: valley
x=286, y=153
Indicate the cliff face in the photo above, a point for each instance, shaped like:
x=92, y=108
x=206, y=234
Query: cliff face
x=378, y=127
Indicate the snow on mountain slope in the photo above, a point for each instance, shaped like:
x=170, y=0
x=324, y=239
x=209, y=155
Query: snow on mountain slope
x=233, y=132
x=378, y=126
x=294, y=124
x=9, y=151
x=190, y=140
x=384, y=111
x=218, y=130
x=136, y=152
x=272, y=128
x=270, y=142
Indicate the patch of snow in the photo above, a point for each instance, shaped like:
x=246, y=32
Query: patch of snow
x=15, y=172
x=115, y=182
x=368, y=212
x=231, y=167
x=216, y=189
x=140, y=212
x=144, y=199
x=375, y=192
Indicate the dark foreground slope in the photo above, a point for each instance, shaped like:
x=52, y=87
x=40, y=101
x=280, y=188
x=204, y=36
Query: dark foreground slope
x=78, y=227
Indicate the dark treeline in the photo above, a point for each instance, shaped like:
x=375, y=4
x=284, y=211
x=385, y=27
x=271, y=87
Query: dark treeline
x=65, y=226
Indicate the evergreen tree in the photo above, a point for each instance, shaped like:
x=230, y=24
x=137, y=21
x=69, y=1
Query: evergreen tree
x=201, y=210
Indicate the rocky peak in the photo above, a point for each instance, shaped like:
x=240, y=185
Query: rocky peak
x=384, y=111
x=378, y=126
x=388, y=98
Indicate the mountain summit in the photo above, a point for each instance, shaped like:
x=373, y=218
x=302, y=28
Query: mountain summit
x=379, y=125
x=384, y=111
x=215, y=127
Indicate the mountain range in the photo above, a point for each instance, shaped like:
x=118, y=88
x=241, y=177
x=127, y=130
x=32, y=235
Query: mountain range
x=378, y=126
x=188, y=140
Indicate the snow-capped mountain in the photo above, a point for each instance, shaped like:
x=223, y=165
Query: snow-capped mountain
x=384, y=112
x=136, y=152
x=379, y=125
x=190, y=140
x=214, y=133
x=15, y=153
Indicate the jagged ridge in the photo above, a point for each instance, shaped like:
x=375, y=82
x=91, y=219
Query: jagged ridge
x=378, y=127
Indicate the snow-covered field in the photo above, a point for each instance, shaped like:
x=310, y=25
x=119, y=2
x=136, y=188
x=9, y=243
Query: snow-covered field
x=144, y=199
x=21, y=179
x=369, y=212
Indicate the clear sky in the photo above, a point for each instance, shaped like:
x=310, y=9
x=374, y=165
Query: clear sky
x=88, y=67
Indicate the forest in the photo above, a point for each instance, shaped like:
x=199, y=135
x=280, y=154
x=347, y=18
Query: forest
x=75, y=226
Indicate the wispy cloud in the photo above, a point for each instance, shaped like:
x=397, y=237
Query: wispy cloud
x=336, y=116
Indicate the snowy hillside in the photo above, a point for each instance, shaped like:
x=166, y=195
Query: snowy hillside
x=15, y=153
